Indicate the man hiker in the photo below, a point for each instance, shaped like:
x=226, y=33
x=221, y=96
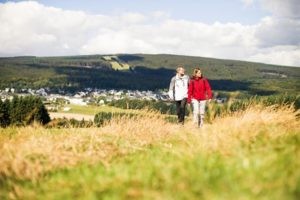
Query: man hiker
x=178, y=92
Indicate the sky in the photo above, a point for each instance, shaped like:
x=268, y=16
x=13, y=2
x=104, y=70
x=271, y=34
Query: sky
x=265, y=31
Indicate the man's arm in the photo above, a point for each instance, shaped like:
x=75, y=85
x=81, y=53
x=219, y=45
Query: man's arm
x=171, y=89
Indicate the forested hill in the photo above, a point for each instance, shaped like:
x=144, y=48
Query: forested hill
x=142, y=71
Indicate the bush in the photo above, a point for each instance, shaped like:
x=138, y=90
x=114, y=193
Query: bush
x=162, y=107
x=69, y=123
x=103, y=117
x=278, y=100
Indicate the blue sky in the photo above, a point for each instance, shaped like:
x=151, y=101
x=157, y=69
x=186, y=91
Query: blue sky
x=208, y=11
x=253, y=30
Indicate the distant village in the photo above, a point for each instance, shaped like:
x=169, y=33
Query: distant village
x=88, y=96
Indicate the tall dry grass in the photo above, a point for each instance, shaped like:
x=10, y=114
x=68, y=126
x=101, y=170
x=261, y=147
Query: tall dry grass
x=30, y=152
x=226, y=133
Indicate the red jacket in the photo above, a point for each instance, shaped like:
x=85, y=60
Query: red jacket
x=199, y=89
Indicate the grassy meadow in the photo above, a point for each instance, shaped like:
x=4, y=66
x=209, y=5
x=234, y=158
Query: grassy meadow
x=251, y=154
x=93, y=110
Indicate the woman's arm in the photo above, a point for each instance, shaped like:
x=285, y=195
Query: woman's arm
x=208, y=89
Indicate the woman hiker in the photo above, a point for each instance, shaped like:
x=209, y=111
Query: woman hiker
x=199, y=91
x=178, y=92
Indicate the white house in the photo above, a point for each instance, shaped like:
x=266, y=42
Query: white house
x=76, y=101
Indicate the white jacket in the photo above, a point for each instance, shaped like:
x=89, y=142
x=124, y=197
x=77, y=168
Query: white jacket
x=179, y=87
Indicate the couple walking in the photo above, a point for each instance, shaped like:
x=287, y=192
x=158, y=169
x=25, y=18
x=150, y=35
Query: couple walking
x=196, y=91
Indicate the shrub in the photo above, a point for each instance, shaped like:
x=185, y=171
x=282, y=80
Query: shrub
x=103, y=117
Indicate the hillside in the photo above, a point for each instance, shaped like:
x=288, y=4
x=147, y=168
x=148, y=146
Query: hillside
x=142, y=71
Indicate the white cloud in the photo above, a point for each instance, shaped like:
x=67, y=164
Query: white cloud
x=283, y=8
x=274, y=31
x=30, y=28
x=248, y=2
x=289, y=55
x=279, y=8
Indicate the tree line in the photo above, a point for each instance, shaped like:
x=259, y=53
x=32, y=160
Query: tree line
x=22, y=111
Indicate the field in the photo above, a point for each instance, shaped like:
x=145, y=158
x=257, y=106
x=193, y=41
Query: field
x=252, y=154
x=86, y=112
x=118, y=66
x=92, y=110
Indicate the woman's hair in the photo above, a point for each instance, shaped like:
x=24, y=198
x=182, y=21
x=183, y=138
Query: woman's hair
x=196, y=70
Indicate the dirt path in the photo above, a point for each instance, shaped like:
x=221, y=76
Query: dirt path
x=71, y=116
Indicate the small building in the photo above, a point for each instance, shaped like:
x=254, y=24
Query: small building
x=76, y=101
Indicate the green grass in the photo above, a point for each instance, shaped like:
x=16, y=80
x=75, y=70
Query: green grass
x=248, y=155
x=261, y=170
x=93, y=110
